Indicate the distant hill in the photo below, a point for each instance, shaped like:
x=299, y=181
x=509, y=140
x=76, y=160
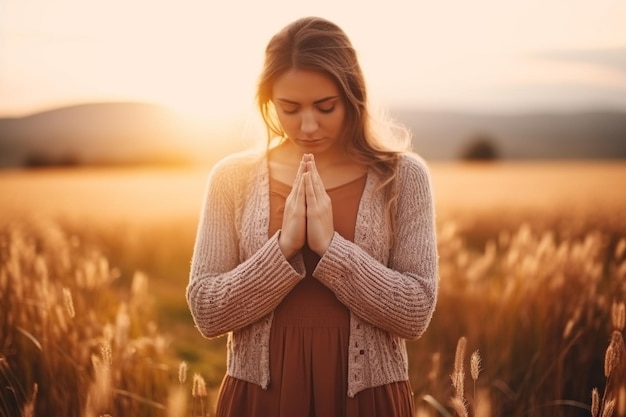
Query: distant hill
x=103, y=134
x=141, y=133
x=584, y=135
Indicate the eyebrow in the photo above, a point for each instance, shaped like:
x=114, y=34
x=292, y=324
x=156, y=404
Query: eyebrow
x=320, y=101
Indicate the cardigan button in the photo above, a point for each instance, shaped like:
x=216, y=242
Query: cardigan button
x=361, y=352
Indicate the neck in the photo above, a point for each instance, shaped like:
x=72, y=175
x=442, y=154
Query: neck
x=292, y=155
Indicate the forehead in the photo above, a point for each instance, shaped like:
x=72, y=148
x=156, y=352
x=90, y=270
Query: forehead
x=304, y=86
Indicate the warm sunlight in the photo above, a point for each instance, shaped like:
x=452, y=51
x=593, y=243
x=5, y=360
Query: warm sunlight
x=203, y=59
x=128, y=51
x=131, y=218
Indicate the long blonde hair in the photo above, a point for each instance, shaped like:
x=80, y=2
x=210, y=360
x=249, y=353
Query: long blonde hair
x=314, y=43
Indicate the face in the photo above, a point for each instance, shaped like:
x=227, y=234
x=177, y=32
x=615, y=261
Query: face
x=310, y=110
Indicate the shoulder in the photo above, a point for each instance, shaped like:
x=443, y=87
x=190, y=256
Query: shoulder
x=239, y=166
x=233, y=175
x=413, y=169
x=240, y=161
x=413, y=179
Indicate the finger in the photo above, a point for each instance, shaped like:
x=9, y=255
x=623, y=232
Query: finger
x=310, y=161
x=313, y=168
x=310, y=167
x=301, y=170
x=311, y=198
x=300, y=189
x=298, y=179
x=296, y=195
x=318, y=184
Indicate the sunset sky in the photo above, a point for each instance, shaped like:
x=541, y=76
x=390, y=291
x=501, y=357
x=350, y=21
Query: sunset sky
x=202, y=57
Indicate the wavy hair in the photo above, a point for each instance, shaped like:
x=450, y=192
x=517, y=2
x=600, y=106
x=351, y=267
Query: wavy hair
x=314, y=43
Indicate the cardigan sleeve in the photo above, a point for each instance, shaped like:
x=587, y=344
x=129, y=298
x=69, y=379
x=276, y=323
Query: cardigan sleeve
x=224, y=293
x=400, y=297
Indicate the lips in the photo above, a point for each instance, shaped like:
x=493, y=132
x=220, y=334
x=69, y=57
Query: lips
x=312, y=141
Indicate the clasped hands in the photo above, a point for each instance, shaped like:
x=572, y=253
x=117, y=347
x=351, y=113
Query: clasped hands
x=308, y=215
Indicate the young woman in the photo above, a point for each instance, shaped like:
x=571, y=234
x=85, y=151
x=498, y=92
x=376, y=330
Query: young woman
x=318, y=256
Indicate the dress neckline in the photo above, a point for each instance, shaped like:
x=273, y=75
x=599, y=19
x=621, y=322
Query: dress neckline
x=336, y=187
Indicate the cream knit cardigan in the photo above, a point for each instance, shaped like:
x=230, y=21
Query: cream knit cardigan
x=239, y=275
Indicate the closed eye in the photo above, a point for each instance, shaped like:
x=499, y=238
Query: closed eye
x=327, y=109
x=290, y=109
x=324, y=105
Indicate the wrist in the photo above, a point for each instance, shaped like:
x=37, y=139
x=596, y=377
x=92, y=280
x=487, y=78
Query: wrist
x=287, y=249
x=322, y=248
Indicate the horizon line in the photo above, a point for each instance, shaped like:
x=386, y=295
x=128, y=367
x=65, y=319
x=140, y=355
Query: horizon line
x=401, y=106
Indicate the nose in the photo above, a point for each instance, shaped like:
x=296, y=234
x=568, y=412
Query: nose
x=308, y=124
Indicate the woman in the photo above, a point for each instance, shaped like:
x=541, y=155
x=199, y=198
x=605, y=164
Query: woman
x=317, y=256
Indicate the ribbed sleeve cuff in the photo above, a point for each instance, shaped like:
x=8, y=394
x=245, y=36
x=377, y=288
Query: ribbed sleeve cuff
x=272, y=263
x=331, y=268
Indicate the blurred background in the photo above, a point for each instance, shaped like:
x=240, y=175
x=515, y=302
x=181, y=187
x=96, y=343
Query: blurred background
x=119, y=82
x=112, y=113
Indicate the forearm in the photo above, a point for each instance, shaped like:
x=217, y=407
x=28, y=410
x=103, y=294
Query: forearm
x=401, y=302
x=226, y=300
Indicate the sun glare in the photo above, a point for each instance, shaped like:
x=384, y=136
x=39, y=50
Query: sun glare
x=203, y=59
x=183, y=71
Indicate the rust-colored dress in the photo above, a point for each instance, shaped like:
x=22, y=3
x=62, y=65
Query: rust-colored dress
x=309, y=342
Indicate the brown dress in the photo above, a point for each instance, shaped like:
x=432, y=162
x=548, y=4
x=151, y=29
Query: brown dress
x=309, y=342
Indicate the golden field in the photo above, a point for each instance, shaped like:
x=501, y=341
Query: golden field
x=94, y=263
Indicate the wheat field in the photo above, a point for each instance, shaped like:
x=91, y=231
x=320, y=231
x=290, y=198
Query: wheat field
x=529, y=321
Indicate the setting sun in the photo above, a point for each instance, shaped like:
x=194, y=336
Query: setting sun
x=203, y=59
x=132, y=214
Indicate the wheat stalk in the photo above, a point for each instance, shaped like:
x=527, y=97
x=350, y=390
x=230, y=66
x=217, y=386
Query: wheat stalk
x=608, y=408
x=198, y=391
x=595, y=402
x=618, y=316
x=458, y=378
x=475, y=361
x=69, y=303
x=182, y=372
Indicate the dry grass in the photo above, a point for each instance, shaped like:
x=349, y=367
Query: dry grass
x=539, y=310
x=533, y=274
x=67, y=334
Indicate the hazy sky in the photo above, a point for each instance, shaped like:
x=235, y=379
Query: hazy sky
x=203, y=56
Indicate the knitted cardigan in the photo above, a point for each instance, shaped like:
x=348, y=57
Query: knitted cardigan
x=239, y=274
